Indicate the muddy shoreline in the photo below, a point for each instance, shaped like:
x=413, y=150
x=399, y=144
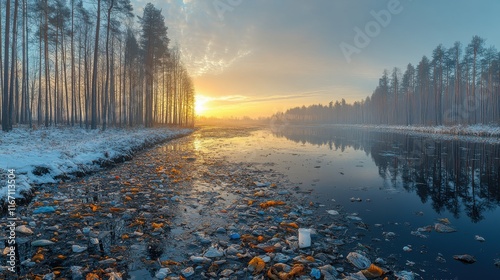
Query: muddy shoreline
x=177, y=211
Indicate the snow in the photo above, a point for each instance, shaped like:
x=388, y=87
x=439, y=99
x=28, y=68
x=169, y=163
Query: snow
x=40, y=156
x=472, y=133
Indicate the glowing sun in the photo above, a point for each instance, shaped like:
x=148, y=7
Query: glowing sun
x=200, y=104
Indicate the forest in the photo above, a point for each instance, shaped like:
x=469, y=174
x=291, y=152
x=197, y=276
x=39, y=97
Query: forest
x=456, y=85
x=91, y=64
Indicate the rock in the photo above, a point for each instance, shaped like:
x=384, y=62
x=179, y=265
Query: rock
x=44, y=209
x=358, y=260
x=197, y=259
x=189, y=271
x=41, y=243
x=162, y=273
x=108, y=261
x=465, y=258
x=234, y=236
x=53, y=228
x=221, y=230
x=226, y=272
x=76, y=272
x=115, y=276
x=86, y=230
x=49, y=276
x=24, y=229
x=281, y=258
x=232, y=250
x=78, y=248
x=94, y=241
x=213, y=252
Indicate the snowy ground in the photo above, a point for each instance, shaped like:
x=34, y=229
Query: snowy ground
x=43, y=155
x=473, y=133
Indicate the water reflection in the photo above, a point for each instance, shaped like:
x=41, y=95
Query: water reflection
x=458, y=176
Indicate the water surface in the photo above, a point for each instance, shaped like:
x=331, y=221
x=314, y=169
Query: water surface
x=395, y=183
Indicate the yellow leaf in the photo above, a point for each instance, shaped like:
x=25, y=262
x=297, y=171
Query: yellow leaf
x=256, y=265
x=37, y=258
x=271, y=203
x=157, y=225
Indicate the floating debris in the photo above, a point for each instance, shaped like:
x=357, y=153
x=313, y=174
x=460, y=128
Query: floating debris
x=304, y=238
x=407, y=248
x=479, y=238
x=404, y=275
x=358, y=260
x=332, y=212
x=373, y=271
x=442, y=228
x=465, y=258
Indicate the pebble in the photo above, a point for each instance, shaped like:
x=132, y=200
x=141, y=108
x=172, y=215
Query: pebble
x=162, y=273
x=226, y=272
x=188, y=271
x=221, y=230
x=41, y=243
x=213, y=252
x=281, y=258
x=24, y=229
x=78, y=248
x=197, y=259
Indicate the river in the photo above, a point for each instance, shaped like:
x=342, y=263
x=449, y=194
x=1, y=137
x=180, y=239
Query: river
x=396, y=183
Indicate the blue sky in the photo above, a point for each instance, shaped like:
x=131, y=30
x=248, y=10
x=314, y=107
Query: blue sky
x=257, y=57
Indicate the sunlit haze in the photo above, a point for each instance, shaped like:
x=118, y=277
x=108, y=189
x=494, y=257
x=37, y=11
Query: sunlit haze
x=255, y=58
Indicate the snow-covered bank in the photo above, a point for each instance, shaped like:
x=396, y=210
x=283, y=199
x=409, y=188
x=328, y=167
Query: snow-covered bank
x=47, y=154
x=451, y=131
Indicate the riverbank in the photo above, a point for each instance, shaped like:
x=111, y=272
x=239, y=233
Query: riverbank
x=472, y=133
x=51, y=155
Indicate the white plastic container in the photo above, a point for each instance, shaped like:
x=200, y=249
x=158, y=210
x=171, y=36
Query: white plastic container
x=304, y=237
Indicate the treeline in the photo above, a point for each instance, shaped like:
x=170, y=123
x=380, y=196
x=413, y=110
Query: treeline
x=90, y=64
x=455, y=86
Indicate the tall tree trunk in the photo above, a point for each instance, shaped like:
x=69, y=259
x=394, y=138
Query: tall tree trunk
x=13, y=66
x=106, y=86
x=93, y=124
x=5, y=93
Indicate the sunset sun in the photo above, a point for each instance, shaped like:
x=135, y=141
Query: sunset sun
x=200, y=105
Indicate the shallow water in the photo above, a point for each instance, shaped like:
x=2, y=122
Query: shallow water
x=398, y=182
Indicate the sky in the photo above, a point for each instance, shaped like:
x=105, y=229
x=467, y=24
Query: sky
x=258, y=57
